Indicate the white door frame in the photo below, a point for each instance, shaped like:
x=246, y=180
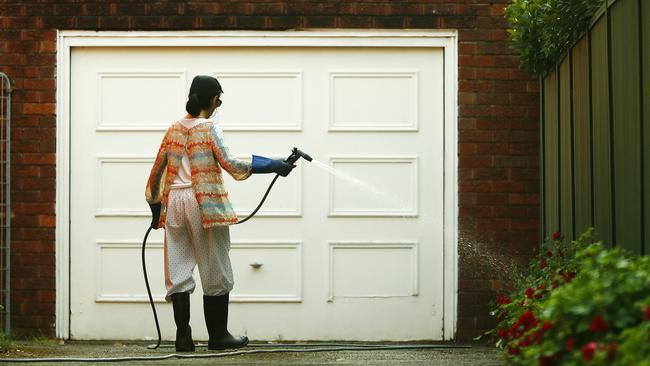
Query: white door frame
x=446, y=39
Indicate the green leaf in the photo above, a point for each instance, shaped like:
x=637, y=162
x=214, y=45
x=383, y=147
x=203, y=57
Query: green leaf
x=542, y=30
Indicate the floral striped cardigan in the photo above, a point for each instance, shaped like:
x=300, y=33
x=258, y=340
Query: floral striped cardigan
x=208, y=154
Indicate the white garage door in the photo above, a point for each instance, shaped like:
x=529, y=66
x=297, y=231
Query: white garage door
x=358, y=256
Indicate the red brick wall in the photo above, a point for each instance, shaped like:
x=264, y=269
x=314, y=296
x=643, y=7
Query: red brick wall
x=498, y=128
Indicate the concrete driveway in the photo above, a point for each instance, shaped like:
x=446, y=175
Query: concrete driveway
x=257, y=354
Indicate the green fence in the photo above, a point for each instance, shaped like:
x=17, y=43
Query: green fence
x=595, y=131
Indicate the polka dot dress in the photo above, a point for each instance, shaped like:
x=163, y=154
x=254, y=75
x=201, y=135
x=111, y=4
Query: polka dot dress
x=188, y=244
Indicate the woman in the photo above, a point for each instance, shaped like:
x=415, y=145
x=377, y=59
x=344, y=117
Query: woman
x=187, y=197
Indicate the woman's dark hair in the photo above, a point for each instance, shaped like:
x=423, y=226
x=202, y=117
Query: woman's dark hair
x=202, y=90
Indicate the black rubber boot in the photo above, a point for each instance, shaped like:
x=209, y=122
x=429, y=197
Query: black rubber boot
x=215, y=309
x=181, y=301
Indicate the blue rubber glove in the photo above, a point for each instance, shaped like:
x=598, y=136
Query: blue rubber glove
x=266, y=165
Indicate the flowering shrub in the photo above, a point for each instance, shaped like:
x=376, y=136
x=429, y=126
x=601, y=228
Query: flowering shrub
x=581, y=304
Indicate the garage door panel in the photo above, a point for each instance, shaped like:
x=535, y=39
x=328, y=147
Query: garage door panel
x=380, y=100
x=119, y=185
x=114, y=284
x=128, y=90
x=276, y=107
x=373, y=269
x=267, y=271
x=374, y=186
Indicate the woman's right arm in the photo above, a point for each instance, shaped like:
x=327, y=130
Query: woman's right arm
x=156, y=181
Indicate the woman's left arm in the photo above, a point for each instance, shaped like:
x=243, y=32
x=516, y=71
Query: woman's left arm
x=239, y=169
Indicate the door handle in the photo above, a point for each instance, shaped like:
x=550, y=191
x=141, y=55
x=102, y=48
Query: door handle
x=256, y=264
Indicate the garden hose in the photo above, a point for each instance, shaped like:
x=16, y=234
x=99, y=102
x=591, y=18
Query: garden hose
x=146, y=281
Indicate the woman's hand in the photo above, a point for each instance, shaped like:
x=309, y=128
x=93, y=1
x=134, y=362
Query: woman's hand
x=155, y=214
x=266, y=165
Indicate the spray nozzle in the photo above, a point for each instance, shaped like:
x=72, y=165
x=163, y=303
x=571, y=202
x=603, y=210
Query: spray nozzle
x=297, y=154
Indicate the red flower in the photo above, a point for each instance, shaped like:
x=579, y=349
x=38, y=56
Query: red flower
x=646, y=313
x=529, y=292
x=547, y=326
x=570, y=344
x=542, y=263
x=556, y=236
x=504, y=333
x=549, y=253
x=588, y=351
x=527, y=317
x=528, y=320
x=598, y=324
x=503, y=300
x=546, y=361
